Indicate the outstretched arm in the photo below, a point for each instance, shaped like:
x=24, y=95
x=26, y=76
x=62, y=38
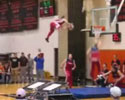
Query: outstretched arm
x=63, y=64
x=105, y=74
x=121, y=77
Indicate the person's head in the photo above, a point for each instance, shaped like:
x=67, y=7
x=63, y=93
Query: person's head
x=41, y=55
x=29, y=55
x=95, y=45
x=104, y=66
x=70, y=56
x=15, y=54
x=22, y=54
x=115, y=92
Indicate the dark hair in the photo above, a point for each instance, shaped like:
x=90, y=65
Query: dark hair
x=22, y=53
x=41, y=55
x=62, y=17
x=115, y=66
x=123, y=62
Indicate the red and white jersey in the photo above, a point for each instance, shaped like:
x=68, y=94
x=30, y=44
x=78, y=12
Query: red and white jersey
x=59, y=22
x=95, y=56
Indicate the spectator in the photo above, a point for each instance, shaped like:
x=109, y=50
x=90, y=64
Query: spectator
x=7, y=72
x=1, y=70
x=102, y=81
x=23, y=67
x=117, y=76
x=115, y=93
x=39, y=66
x=30, y=67
x=14, y=63
x=116, y=61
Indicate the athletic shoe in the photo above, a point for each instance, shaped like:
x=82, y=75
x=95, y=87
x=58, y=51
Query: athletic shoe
x=47, y=39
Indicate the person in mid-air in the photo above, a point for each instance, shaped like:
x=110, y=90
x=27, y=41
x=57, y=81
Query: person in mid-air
x=57, y=24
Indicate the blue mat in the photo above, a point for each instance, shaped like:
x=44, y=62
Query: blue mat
x=91, y=92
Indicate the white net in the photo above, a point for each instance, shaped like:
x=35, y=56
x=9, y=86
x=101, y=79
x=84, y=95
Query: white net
x=97, y=32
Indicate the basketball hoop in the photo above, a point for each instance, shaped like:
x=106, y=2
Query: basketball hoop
x=97, y=30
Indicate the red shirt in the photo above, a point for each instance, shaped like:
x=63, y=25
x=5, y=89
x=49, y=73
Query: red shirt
x=69, y=65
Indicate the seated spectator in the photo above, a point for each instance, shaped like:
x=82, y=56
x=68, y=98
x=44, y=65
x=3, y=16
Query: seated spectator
x=116, y=61
x=102, y=81
x=1, y=70
x=117, y=76
x=7, y=72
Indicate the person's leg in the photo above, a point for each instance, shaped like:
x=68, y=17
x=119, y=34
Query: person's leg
x=37, y=74
x=98, y=67
x=5, y=78
x=17, y=74
x=92, y=70
x=67, y=73
x=41, y=74
x=8, y=78
x=31, y=75
x=52, y=28
x=12, y=74
x=70, y=79
x=23, y=74
x=28, y=74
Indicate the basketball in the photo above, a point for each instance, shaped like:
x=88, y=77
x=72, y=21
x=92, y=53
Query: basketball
x=70, y=26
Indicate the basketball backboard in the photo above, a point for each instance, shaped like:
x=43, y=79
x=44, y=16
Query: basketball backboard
x=106, y=18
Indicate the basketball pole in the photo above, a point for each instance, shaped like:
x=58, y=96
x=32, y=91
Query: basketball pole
x=119, y=9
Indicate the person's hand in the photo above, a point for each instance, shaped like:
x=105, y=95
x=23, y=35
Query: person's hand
x=73, y=68
x=61, y=67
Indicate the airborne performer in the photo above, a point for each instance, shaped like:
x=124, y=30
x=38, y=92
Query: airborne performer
x=57, y=24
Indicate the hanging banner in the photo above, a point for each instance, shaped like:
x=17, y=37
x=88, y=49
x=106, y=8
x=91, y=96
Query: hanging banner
x=121, y=16
x=30, y=14
x=16, y=15
x=4, y=16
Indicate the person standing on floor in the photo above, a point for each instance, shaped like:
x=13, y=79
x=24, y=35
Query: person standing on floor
x=14, y=63
x=39, y=59
x=23, y=67
x=7, y=74
x=1, y=71
x=69, y=65
x=30, y=67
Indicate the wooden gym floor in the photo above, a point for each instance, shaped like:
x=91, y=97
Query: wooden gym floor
x=11, y=89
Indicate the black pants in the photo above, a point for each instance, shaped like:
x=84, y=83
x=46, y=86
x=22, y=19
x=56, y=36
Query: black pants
x=6, y=78
x=101, y=82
